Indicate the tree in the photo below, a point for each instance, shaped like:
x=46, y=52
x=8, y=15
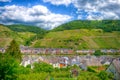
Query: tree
x=97, y=53
x=42, y=67
x=8, y=67
x=103, y=75
x=14, y=50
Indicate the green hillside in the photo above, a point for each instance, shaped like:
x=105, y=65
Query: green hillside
x=23, y=34
x=28, y=33
x=75, y=35
x=6, y=35
x=80, y=39
x=106, y=25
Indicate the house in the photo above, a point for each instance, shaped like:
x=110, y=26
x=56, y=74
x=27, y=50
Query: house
x=25, y=50
x=109, y=51
x=29, y=50
x=74, y=61
x=115, y=68
x=25, y=61
x=56, y=65
x=54, y=62
x=85, y=51
x=106, y=60
x=83, y=65
x=118, y=50
x=59, y=62
x=63, y=61
x=29, y=60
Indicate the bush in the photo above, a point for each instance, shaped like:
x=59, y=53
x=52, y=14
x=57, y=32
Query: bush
x=98, y=53
x=42, y=67
x=91, y=69
x=24, y=70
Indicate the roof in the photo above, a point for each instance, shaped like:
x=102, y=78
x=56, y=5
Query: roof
x=116, y=63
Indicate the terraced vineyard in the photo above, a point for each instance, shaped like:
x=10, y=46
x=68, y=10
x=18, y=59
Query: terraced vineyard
x=80, y=39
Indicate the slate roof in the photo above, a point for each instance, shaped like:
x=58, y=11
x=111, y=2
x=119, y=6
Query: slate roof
x=116, y=63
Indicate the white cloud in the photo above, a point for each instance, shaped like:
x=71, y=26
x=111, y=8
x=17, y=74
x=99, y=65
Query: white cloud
x=37, y=15
x=5, y=0
x=107, y=9
x=59, y=2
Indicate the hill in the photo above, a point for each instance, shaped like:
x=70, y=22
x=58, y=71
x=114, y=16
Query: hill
x=29, y=33
x=80, y=39
x=75, y=35
x=6, y=35
x=21, y=33
x=106, y=25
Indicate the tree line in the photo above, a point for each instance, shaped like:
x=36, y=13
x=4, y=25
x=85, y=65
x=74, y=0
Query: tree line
x=105, y=25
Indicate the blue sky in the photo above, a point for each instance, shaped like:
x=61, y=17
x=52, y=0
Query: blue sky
x=49, y=14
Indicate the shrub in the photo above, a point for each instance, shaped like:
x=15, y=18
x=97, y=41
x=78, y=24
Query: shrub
x=91, y=69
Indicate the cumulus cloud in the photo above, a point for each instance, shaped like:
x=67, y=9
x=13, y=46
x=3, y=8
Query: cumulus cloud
x=59, y=2
x=95, y=9
x=98, y=9
x=36, y=15
x=5, y=0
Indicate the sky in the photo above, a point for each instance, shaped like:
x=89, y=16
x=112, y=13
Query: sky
x=49, y=14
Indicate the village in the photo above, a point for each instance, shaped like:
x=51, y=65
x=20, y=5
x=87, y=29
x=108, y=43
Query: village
x=83, y=62
x=32, y=55
x=30, y=50
x=64, y=61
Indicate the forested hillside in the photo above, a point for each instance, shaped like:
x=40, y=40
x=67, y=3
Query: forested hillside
x=105, y=25
x=26, y=28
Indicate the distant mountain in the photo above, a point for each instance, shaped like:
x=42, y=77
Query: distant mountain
x=106, y=25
